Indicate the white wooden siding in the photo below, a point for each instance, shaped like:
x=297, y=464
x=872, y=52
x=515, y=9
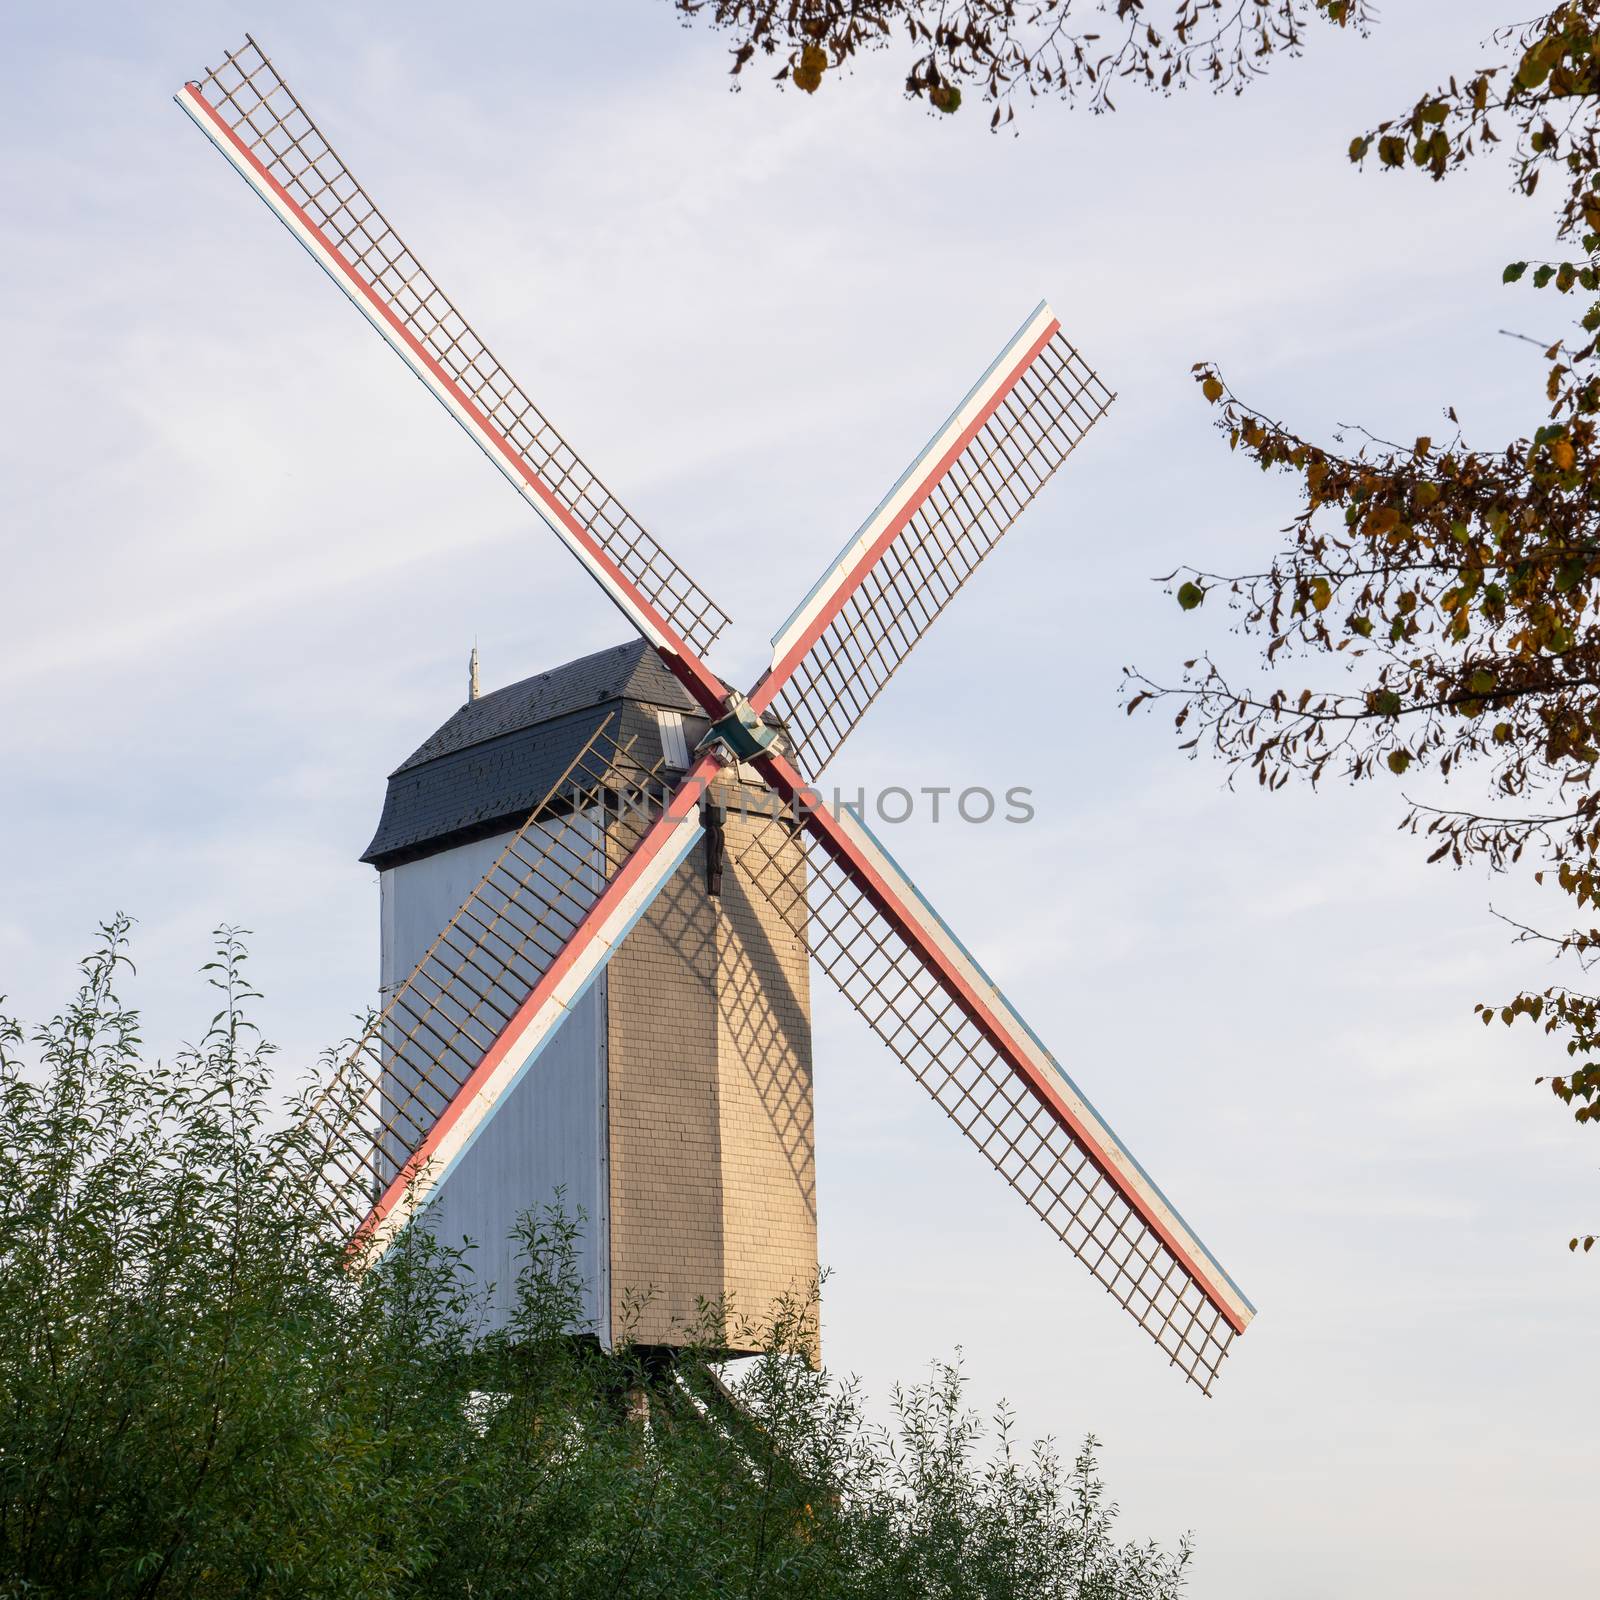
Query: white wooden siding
x=551, y=1131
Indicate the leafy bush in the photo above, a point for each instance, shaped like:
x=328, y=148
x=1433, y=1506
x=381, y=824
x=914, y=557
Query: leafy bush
x=198, y=1399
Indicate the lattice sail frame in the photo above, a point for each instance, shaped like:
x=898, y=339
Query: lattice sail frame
x=929, y=535
x=938, y=1042
x=257, y=106
x=386, y=1097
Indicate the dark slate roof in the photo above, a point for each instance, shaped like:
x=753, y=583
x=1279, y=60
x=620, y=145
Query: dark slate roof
x=498, y=756
x=626, y=672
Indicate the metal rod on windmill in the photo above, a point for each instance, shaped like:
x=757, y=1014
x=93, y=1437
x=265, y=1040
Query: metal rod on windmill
x=578, y=1003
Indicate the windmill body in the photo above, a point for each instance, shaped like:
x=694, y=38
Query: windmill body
x=671, y=1112
x=635, y=946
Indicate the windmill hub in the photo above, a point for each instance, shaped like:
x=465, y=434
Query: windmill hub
x=744, y=733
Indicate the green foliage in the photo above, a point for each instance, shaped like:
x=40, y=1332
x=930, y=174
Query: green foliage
x=1071, y=49
x=1457, y=587
x=199, y=1398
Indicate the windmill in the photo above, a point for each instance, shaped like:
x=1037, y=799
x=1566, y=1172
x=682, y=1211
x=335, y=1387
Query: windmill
x=508, y=976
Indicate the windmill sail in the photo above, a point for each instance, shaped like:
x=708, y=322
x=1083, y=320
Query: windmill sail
x=254, y=119
x=951, y=507
x=917, y=987
x=407, y=1102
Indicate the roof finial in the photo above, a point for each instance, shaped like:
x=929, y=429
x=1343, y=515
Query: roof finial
x=472, y=674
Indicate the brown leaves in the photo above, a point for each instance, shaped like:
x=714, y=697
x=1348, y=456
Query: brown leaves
x=1469, y=580
x=1005, y=52
x=1471, y=588
x=809, y=67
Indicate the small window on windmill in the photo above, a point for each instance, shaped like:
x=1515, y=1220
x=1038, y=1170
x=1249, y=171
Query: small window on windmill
x=673, y=744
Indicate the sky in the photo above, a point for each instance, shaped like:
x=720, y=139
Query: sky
x=244, y=559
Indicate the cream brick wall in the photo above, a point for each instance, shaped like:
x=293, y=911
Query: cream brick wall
x=713, y=1178
x=769, y=1185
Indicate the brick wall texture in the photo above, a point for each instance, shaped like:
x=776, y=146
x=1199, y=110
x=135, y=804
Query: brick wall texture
x=713, y=1176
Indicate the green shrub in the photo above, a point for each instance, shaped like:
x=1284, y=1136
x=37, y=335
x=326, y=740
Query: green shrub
x=198, y=1399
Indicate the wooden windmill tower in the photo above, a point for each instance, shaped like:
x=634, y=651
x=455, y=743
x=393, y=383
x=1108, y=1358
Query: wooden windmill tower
x=538, y=1006
x=673, y=1106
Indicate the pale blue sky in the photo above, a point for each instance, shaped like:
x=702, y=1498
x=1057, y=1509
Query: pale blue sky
x=245, y=557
